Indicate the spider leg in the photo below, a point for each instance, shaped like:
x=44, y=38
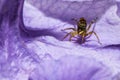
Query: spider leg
x=88, y=35
x=92, y=32
x=82, y=39
x=70, y=39
x=89, y=27
x=73, y=34
x=68, y=29
x=93, y=21
x=66, y=36
x=82, y=34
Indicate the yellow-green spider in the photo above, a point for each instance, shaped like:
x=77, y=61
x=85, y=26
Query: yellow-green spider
x=82, y=30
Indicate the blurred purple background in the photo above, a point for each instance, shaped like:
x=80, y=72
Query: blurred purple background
x=31, y=46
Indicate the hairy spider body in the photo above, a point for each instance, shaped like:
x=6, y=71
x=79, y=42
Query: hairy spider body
x=82, y=30
x=81, y=25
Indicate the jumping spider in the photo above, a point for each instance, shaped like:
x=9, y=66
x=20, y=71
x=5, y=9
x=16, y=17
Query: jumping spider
x=82, y=30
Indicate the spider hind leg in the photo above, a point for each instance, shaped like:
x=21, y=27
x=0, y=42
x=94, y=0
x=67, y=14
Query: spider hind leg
x=65, y=36
x=92, y=32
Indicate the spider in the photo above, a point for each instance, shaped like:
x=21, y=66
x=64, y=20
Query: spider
x=82, y=30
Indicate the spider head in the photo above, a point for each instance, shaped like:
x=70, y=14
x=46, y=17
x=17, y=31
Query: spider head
x=82, y=20
x=82, y=23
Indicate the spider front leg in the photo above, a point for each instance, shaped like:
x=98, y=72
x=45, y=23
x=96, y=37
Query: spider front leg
x=88, y=28
x=92, y=32
x=90, y=25
x=69, y=29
